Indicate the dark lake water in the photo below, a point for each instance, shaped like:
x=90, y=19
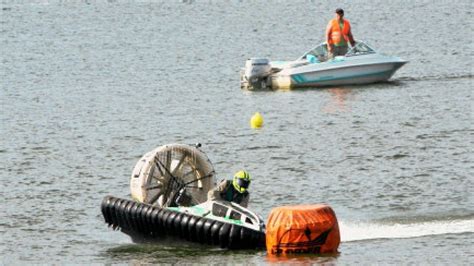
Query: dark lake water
x=87, y=87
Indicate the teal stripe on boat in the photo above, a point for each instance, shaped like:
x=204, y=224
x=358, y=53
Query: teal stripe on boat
x=299, y=78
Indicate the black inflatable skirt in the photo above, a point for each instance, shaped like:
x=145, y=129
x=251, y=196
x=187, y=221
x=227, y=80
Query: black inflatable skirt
x=155, y=222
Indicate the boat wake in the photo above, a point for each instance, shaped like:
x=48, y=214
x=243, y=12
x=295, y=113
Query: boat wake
x=369, y=230
x=434, y=77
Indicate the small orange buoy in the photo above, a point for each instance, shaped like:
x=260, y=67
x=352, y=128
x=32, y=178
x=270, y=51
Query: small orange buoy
x=302, y=229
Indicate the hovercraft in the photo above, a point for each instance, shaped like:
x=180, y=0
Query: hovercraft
x=169, y=187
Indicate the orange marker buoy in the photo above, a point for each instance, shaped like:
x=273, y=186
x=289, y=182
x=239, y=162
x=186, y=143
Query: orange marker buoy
x=302, y=229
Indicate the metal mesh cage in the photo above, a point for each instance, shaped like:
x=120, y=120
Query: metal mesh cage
x=173, y=175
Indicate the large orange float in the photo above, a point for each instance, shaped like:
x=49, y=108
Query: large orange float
x=302, y=229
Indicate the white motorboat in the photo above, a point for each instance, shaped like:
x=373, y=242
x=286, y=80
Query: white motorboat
x=361, y=65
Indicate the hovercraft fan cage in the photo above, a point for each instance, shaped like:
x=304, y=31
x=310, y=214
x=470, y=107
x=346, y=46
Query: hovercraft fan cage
x=173, y=175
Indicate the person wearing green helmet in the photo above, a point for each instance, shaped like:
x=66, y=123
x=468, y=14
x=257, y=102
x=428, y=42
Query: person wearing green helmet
x=234, y=190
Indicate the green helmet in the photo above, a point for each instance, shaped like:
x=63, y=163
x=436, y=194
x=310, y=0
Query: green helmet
x=241, y=181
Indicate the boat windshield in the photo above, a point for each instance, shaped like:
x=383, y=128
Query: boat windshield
x=320, y=52
x=360, y=49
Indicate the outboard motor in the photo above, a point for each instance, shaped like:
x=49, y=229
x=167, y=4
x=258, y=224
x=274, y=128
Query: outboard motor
x=256, y=73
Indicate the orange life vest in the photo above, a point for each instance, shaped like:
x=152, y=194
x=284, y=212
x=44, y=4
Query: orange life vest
x=336, y=33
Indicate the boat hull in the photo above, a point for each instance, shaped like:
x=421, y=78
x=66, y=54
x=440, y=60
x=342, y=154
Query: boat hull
x=350, y=74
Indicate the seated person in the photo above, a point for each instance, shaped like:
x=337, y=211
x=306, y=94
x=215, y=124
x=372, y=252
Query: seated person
x=232, y=190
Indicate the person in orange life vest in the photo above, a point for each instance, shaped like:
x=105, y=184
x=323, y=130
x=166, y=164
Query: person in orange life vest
x=338, y=34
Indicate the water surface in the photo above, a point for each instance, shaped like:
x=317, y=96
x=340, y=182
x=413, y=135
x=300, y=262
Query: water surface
x=87, y=87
